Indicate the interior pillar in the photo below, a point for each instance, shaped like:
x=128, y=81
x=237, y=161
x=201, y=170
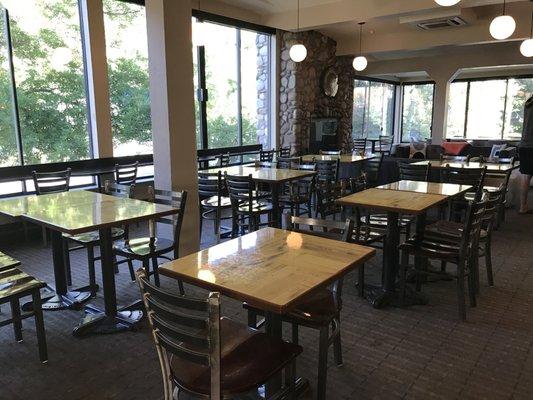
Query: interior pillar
x=172, y=102
x=92, y=21
x=442, y=80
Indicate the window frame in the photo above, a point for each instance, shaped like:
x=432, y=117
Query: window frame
x=396, y=86
x=402, y=102
x=202, y=94
x=468, y=81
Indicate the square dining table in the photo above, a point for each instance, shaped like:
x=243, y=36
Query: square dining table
x=403, y=197
x=344, y=158
x=76, y=212
x=270, y=269
x=274, y=177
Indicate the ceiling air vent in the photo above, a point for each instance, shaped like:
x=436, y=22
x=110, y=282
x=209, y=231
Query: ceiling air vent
x=441, y=23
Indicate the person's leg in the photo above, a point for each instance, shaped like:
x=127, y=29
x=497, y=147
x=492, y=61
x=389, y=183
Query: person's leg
x=526, y=180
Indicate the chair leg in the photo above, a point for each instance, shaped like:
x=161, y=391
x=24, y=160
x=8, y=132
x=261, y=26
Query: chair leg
x=155, y=267
x=472, y=290
x=45, y=236
x=361, y=281
x=180, y=286
x=146, y=266
x=488, y=261
x=130, y=268
x=290, y=379
x=92, y=273
x=337, y=345
x=461, y=297
x=39, y=326
x=17, y=321
x=66, y=256
x=295, y=334
x=323, y=363
x=443, y=266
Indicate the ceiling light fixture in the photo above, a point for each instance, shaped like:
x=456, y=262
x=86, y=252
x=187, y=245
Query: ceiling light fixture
x=503, y=26
x=526, y=48
x=298, y=52
x=447, y=3
x=360, y=62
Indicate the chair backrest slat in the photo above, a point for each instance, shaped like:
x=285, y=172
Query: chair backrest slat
x=118, y=190
x=358, y=144
x=412, y=172
x=266, y=155
x=51, y=182
x=288, y=162
x=126, y=174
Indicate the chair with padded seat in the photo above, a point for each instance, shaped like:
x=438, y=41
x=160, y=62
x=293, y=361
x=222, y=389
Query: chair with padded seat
x=90, y=240
x=266, y=155
x=151, y=248
x=385, y=145
x=284, y=152
x=299, y=193
x=207, y=356
x=321, y=309
x=48, y=183
x=358, y=145
x=15, y=284
x=247, y=204
x=474, y=177
x=126, y=174
x=288, y=162
x=372, y=170
x=213, y=199
x=224, y=160
x=412, y=172
x=327, y=171
x=440, y=246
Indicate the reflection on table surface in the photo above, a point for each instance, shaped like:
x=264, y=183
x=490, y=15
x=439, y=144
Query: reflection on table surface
x=448, y=189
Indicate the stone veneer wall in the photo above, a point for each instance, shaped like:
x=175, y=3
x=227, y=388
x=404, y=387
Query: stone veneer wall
x=301, y=96
x=263, y=86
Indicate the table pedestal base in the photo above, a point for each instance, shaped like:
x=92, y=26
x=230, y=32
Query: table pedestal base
x=54, y=302
x=380, y=298
x=97, y=322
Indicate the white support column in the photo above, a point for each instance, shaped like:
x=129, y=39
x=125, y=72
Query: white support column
x=92, y=20
x=172, y=102
x=442, y=78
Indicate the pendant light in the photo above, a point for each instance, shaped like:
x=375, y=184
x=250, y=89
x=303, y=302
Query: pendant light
x=502, y=26
x=298, y=52
x=447, y=3
x=360, y=62
x=526, y=48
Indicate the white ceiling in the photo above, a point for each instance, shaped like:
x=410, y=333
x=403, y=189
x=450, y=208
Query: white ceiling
x=384, y=36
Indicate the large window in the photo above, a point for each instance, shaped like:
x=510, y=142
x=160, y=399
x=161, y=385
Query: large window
x=234, y=71
x=373, y=109
x=127, y=57
x=417, y=111
x=50, y=83
x=487, y=109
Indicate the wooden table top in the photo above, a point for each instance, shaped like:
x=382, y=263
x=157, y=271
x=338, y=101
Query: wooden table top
x=81, y=211
x=393, y=200
x=270, y=268
x=344, y=158
x=448, y=189
x=269, y=175
x=493, y=167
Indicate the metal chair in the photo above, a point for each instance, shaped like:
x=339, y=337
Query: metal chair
x=412, y=172
x=299, y=193
x=438, y=246
x=327, y=171
x=358, y=145
x=90, y=240
x=385, y=145
x=321, y=309
x=15, y=284
x=288, y=162
x=264, y=164
x=326, y=196
x=247, y=204
x=284, y=152
x=372, y=170
x=213, y=200
x=208, y=356
x=146, y=249
x=223, y=160
x=266, y=155
x=48, y=183
x=126, y=174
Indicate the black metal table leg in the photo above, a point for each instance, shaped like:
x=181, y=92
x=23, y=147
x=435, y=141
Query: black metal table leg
x=110, y=320
x=274, y=386
x=63, y=298
x=276, y=215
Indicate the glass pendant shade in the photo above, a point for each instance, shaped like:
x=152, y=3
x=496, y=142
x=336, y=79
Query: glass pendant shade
x=298, y=52
x=526, y=48
x=447, y=3
x=360, y=63
x=502, y=27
